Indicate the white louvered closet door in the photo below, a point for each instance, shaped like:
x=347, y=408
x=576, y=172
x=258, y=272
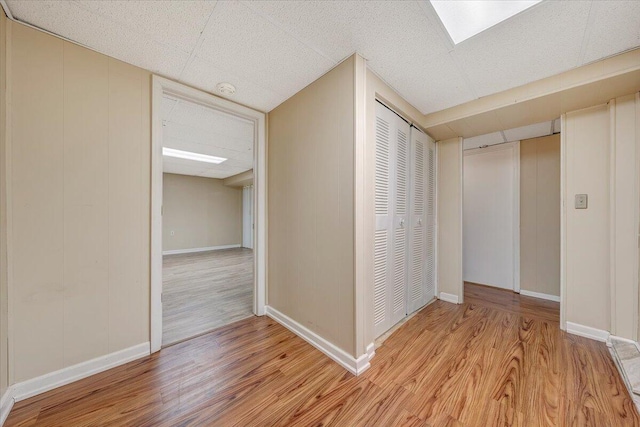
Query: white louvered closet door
x=421, y=283
x=400, y=223
x=392, y=208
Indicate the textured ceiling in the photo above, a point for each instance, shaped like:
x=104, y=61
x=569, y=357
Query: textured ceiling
x=198, y=129
x=271, y=49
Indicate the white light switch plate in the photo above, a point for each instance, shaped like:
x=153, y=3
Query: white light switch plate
x=581, y=201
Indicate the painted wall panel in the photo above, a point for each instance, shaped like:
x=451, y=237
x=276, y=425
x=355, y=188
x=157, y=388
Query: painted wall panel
x=86, y=208
x=587, y=257
x=449, y=249
x=625, y=304
x=80, y=158
x=311, y=207
x=4, y=306
x=540, y=215
x=37, y=202
x=202, y=212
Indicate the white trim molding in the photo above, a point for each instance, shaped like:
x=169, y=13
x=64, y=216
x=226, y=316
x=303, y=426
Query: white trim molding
x=160, y=87
x=588, y=332
x=344, y=359
x=44, y=383
x=193, y=250
x=6, y=403
x=539, y=295
x=449, y=298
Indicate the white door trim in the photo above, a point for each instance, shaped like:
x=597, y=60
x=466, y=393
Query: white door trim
x=160, y=86
x=515, y=145
x=563, y=223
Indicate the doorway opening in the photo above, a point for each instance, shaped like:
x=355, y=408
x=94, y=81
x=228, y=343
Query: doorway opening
x=208, y=252
x=512, y=210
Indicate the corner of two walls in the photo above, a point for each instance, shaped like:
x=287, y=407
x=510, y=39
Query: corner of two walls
x=311, y=207
x=4, y=307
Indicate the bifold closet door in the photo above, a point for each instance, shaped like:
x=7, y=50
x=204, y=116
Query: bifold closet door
x=392, y=208
x=421, y=282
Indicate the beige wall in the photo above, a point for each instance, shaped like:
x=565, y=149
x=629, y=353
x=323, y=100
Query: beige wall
x=4, y=307
x=540, y=215
x=201, y=212
x=311, y=207
x=449, y=250
x=586, y=134
x=625, y=116
x=79, y=204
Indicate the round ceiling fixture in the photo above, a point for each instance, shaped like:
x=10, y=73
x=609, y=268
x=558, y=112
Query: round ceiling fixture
x=226, y=88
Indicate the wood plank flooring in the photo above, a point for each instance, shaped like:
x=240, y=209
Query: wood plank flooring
x=497, y=360
x=205, y=290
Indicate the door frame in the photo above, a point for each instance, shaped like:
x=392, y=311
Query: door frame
x=515, y=145
x=161, y=86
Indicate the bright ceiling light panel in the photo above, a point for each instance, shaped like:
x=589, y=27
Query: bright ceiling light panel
x=464, y=18
x=171, y=152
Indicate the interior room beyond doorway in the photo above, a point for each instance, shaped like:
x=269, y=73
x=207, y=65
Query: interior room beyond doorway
x=207, y=219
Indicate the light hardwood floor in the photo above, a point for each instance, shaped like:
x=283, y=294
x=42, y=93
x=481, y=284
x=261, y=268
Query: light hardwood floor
x=205, y=290
x=498, y=359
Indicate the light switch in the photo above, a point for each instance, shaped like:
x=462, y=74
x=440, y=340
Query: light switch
x=581, y=201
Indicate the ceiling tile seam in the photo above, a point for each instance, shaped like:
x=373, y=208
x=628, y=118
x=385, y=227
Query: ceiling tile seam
x=198, y=43
x=126, y=27
x=286, y=30
x=430, y=13
x=586, y=36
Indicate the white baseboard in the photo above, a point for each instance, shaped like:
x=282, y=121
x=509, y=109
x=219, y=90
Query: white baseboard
x=449, y=297
x=6, y=403
x=588, y=332
x=540, y=295
x=192, y=250
x=347, y=361
x=32, y=387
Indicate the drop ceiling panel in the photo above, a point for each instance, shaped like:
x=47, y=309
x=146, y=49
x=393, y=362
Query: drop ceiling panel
x=102, y=34
x=529, y=131
x=431, y=84
x=176, y=24
x=195, y=128
x=615, y=27
x=540, y=42
x=240, y=41
x=185, y=134
x=211, y=120
x=206, y=75
x=271, y=50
